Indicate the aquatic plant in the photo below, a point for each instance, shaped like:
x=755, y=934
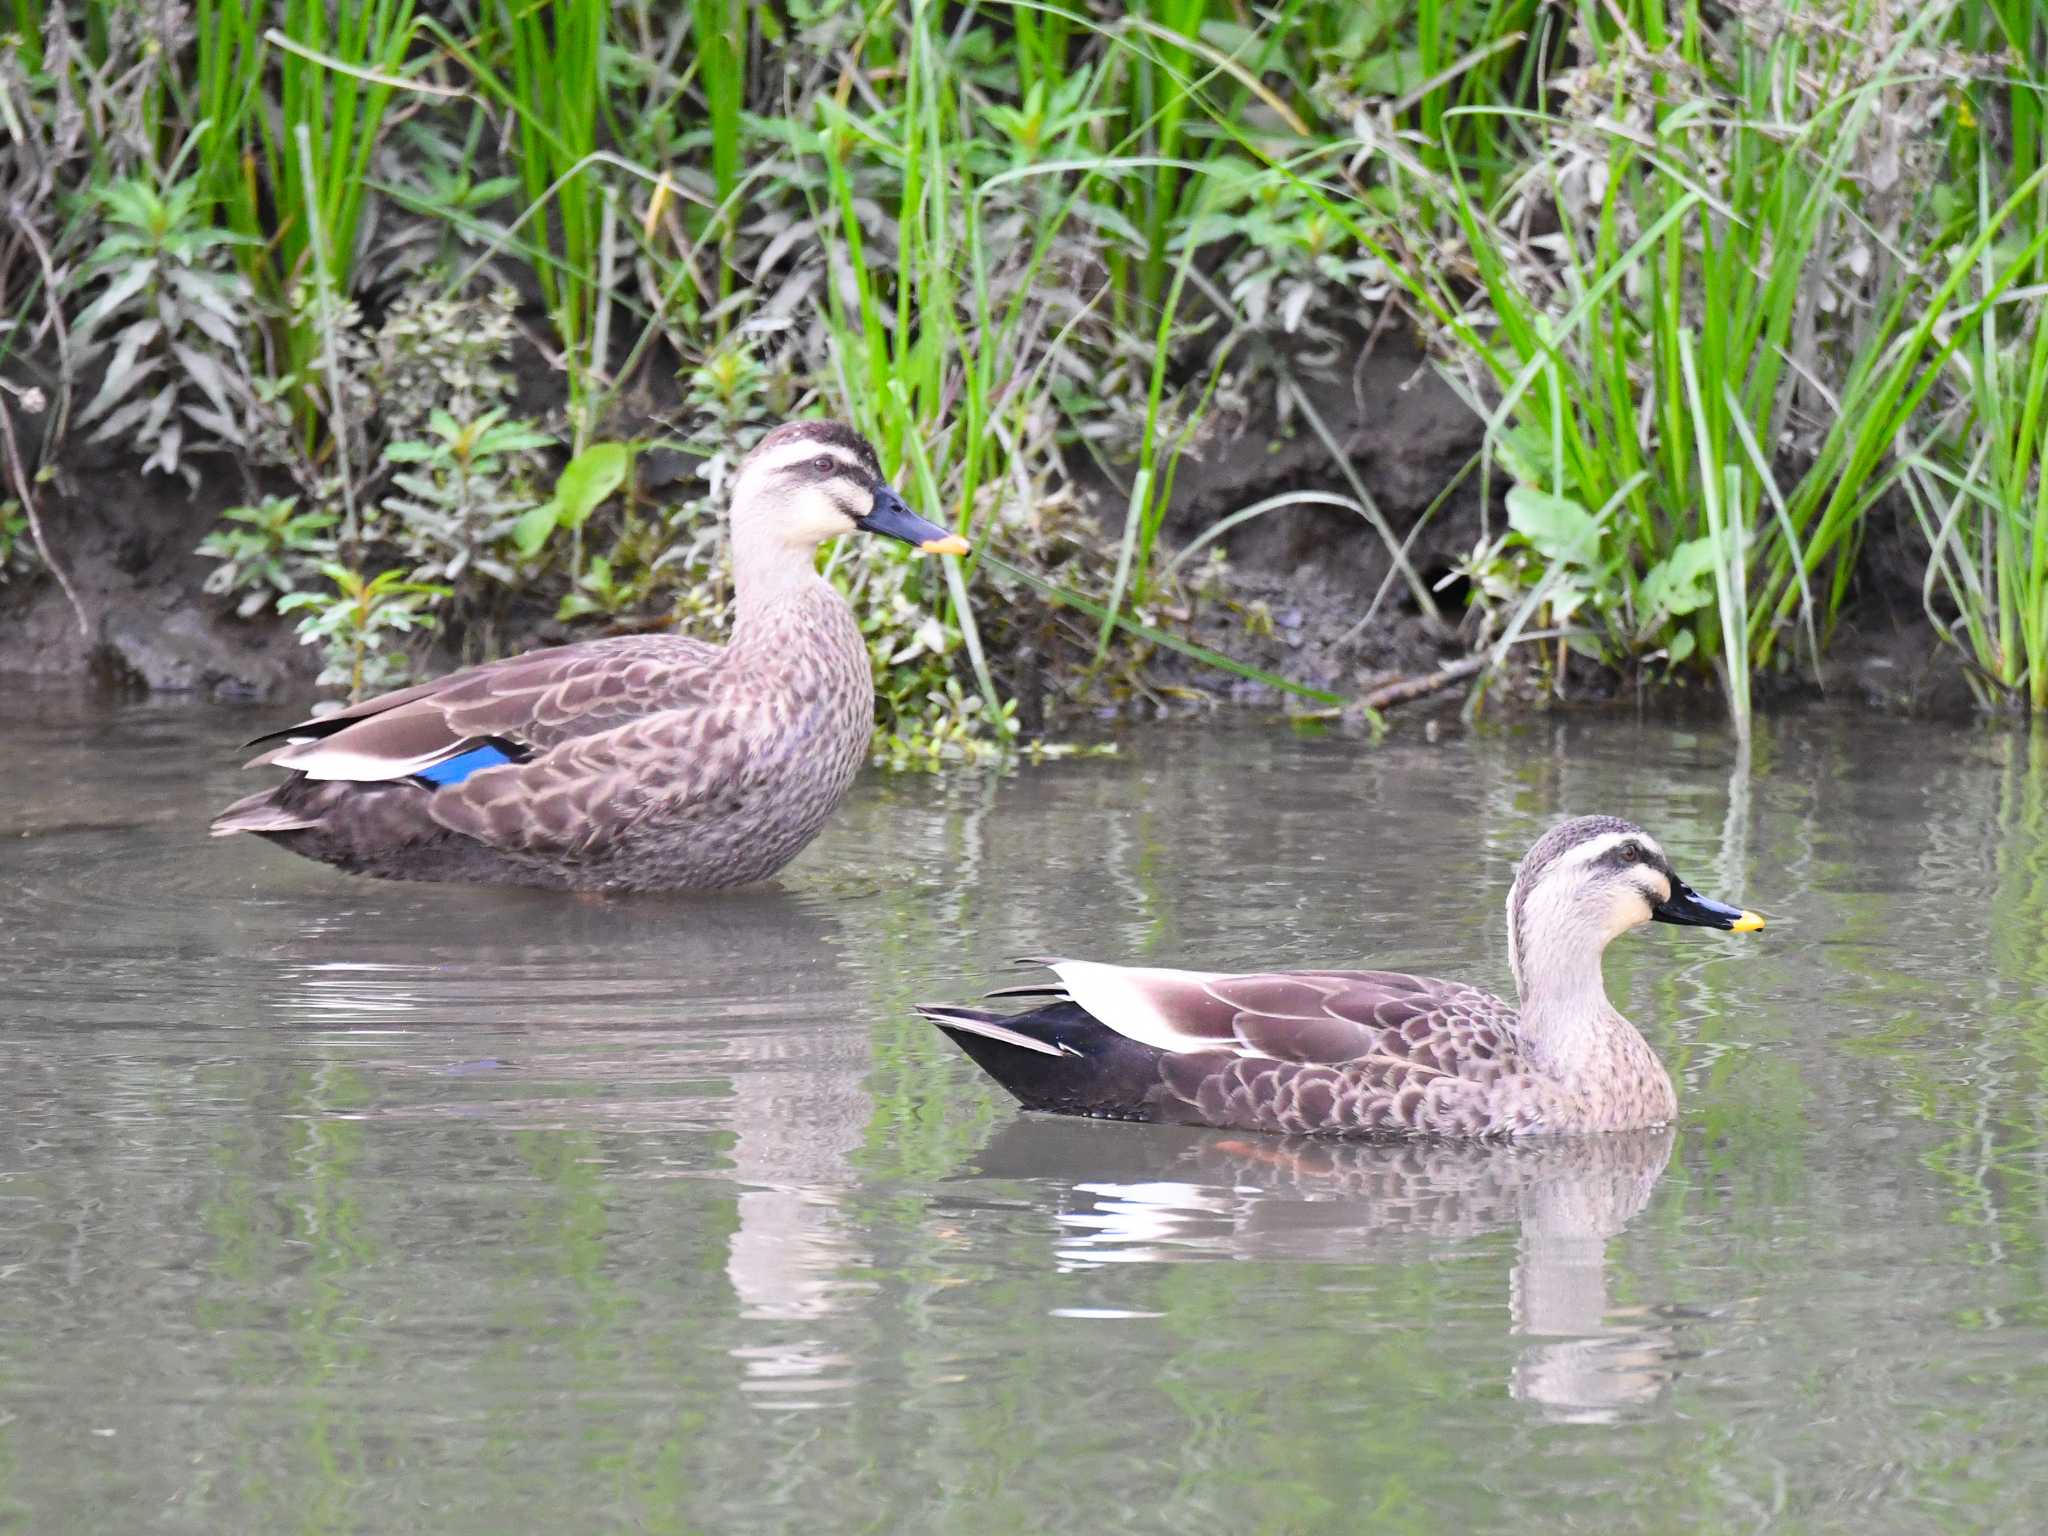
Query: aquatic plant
x=1978, y=477
x=456, y=492
x=166, y=321
x=1723, y=286
x=357, y=626
x=266, y=551
x=293, y=99
x=1705, y=312
x=17, y=545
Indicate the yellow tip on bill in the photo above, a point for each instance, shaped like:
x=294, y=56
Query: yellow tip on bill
x=951, y=544
x=1749, y=922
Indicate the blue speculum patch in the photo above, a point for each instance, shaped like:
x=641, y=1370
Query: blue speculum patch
x=455, y=769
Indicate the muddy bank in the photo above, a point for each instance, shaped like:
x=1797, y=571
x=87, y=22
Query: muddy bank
x=1311, y=593
x=126, y=540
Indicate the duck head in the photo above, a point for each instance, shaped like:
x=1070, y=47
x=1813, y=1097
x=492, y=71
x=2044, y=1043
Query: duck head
x=809, y=481
x=1588, y=881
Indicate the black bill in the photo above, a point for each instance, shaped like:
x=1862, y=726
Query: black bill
x=891, y=518
x=1688, y=908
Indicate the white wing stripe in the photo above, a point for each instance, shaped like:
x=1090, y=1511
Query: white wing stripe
x=1115, y=995
x=323, y=760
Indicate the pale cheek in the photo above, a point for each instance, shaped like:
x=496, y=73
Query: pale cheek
x=818, y=520
x=1629, y=909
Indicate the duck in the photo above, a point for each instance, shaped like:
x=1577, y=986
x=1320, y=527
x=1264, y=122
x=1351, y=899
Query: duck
x=1371, y=1053
x=630, y=762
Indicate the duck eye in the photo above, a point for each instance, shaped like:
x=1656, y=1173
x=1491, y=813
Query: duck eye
x=1631, y=853
x=825, y=466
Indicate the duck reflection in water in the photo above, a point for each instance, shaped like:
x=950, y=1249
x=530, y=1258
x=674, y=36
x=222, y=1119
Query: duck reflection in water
x=1168, y=1195
x=652, y=1019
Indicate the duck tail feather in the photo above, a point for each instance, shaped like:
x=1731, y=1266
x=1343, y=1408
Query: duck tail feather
x=1057, y=1058
x=988, y=1026
x=259, y=812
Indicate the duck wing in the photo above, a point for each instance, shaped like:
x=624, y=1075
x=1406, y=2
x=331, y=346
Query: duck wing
x=503, y=711
x=1350, y=1052
x=1325, y=1018
x=584, y=793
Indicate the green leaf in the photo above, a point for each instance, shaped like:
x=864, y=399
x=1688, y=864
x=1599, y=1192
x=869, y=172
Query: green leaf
x=490, y=190
x=533, y=528
x=587, y=480
x=1556, y=527
x=1566, y=598
x=1392, y=72
x=1681, y=583
x=1524, y=452
x=512, y=438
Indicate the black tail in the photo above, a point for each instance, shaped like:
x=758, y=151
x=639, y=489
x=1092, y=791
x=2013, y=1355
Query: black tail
x=1058, y=1059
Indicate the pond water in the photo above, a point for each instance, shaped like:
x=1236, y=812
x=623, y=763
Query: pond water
x=328, y=1204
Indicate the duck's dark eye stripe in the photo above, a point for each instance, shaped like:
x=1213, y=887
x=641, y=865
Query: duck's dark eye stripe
x=823, y=467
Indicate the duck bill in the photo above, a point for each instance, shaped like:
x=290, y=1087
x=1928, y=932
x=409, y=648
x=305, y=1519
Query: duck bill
x=890, y=518
x=1689, y=909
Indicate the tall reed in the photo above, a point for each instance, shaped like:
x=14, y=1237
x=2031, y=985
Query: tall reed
x=1978, y=479
x=1676, y=344
x=543, y=63
x=329, y=73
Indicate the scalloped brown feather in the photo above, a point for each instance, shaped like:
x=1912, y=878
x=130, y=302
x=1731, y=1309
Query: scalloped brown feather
x=1371, y=1053
x=655, y=762
x=1360, y=1053
x=632, y=763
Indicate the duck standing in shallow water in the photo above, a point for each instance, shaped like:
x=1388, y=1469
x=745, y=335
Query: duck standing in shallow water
x=637, y=762
x=1373, y=1053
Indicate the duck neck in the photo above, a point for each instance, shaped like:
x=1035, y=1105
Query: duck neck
x=1565, y=1014
x=771, y=579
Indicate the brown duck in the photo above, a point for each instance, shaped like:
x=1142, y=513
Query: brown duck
x=639, y=762
x=1372, y=1053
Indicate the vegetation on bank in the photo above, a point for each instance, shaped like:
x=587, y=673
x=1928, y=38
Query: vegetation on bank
x=1731, y=286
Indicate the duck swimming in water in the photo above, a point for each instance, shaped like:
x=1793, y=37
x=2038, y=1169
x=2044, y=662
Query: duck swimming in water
x=1372, y=1053
x=637, y=762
